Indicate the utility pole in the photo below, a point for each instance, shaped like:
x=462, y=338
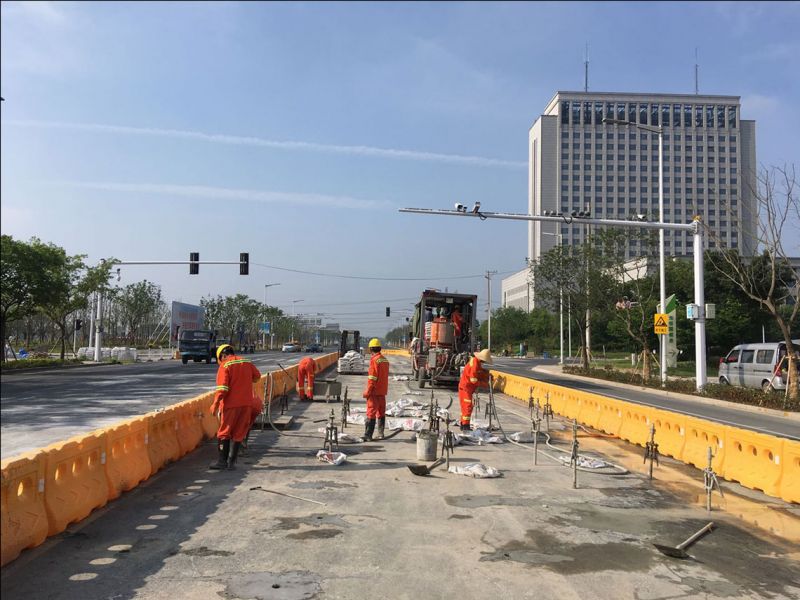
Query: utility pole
x=489, y=309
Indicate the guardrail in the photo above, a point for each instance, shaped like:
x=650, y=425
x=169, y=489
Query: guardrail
x=755, y=460
x=45, y=490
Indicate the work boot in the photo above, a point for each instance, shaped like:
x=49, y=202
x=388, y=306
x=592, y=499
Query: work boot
x=223, y=446
x=465, y=427
x=245, y=450
x=381, y=425
x=369, y=427
x=234, y=454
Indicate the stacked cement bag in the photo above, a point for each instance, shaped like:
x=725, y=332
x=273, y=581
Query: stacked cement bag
x=88, y=353
x=352, y=362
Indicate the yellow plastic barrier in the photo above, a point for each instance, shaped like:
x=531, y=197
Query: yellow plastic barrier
x=162, y=444
x=75, y=479
x=670, y=432
x=23, y=522
x=700, y=436
x=753, y=460
x=209, y=422
x=767, y=463
x=395, y=352
x=190, y=426
x=127, y=460
x=789, y=488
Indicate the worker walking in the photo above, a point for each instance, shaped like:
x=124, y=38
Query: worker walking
x=305, y=378
x=472, y=377
x=377, y=387
x=234, y=398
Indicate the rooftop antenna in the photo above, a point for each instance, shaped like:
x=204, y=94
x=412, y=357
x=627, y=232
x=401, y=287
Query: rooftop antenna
x=696, y=74
x=586, y=70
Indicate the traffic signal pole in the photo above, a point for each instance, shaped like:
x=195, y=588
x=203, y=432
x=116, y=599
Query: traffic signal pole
x=695, y=228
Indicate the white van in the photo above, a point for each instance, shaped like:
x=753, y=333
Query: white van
x=756, y=366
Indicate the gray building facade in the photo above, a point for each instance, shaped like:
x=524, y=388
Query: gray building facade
x=577, y=162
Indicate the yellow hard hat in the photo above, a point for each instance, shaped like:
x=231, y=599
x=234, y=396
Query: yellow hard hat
x=374, y=343
x=221, y=349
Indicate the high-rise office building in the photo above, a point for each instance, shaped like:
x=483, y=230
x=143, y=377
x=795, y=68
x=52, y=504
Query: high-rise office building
x=577, y=162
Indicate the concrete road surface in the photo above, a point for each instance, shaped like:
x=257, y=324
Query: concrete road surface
x=40, y=407
x=369, y=529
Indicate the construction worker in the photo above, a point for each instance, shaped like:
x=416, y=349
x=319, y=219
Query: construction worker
x=458, y=322
x=234, y=397
x=305, y=378
x=377, y=386
x=472, y=377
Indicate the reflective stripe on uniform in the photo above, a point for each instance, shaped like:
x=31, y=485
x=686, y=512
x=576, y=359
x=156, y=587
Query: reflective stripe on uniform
x=223, y=388
x=235, y=362
x=373, y=377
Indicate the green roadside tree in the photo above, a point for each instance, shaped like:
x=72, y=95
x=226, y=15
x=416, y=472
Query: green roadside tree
x=137, y=303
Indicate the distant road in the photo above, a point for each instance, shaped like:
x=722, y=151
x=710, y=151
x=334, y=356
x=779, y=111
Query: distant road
x=38, y=408
x=730, y=415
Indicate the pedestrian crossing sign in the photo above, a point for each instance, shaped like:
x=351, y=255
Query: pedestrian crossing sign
x=661, y=324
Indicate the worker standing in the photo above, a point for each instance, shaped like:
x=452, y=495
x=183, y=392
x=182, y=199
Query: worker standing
x=234, y=397
x=472, y=377
x=377, y=387
x=305, y=378
x=458, y=325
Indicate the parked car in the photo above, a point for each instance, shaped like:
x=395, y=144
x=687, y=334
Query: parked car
x=763, y=366
x=290, y=347
x=314, y=348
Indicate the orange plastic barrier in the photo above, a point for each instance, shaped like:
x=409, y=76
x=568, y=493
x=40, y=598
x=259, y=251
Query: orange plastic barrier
x=190, y=427
x=209, y=422
x=127, y=460
x=700, y=435
x=753, y=460
x=789, y=488
x=670, y=432
x=75, y=479
x=162, y=444
x=23, y=522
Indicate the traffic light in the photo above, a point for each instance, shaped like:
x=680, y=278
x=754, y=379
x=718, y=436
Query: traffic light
x=244, y=263
x=388, y=311
x=78, y=324
x=194, y=263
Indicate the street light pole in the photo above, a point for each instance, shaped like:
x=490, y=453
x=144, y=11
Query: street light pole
x=662, y=279
x=266, y=286
x=560, y=302
x=293, y=304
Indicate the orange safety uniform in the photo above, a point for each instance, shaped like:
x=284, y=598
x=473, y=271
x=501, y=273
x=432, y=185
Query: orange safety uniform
x=234, y=395
x=305, y=378
x=472, y=377
x=377, y=386
x=458, y=321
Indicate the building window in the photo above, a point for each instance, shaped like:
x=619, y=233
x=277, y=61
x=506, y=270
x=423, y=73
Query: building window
x=631, y=112
x=565, y=133
x=576, y=113
x=587, y=113
x=665, y=115
x=576, y=135
x=654, y=110
x=565, y=112
x=709, y=116
x=598, y=113
x=621, y=111
x=687, y=115
x=698, y=116
x=732, y=120
x=720, y=117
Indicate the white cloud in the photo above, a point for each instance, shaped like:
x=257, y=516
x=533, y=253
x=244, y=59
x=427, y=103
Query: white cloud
x=759, y=104
x=393, y=153
x=221, y=193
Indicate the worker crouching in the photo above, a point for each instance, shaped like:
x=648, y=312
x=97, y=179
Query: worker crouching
x=472, y=377
x=377, y=387
x=234, y=400
x=305, y=378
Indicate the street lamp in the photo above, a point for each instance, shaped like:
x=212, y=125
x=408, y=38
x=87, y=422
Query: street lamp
x=268, y=285
x=560, y=300
x=293, y=304
x=661, y=273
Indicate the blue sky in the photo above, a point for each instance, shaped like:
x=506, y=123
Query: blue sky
x=294, y=131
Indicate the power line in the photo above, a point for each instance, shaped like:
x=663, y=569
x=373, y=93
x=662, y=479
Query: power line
x=364, y=277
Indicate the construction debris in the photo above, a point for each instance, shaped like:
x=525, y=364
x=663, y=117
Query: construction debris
x=334, y=458
x=476, y=470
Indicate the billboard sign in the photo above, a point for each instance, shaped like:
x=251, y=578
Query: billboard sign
x=185, y=317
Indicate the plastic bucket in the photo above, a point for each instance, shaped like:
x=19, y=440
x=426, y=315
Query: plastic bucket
x=426, y=445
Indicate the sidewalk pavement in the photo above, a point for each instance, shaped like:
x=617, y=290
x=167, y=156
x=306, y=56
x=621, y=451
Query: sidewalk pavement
x=287, y=526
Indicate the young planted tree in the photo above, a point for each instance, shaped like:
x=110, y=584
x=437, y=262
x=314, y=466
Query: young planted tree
x=74, y=282
x=580, y=274
x=137, y=303
x=768, y=278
